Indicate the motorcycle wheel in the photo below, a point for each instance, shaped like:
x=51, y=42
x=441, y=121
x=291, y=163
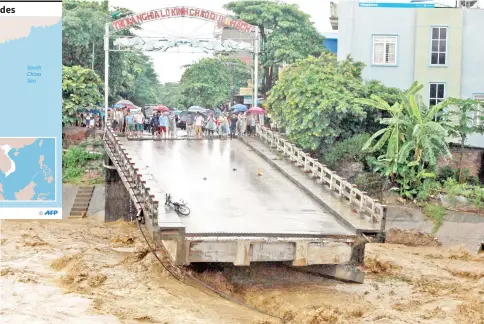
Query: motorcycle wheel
x=184, y=210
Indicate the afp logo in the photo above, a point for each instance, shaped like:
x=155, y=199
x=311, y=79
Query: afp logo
x=49, y=212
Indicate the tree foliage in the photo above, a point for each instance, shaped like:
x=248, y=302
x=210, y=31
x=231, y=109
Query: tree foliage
x=287, y=34
x=131, y=75
x=466, y=117
x=315, y=100
x=412, y=138
x=207, y=83
x=170, y=95
x=80, y=89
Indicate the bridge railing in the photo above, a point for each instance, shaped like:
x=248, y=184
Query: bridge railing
x=364, y=204
x=137, y=187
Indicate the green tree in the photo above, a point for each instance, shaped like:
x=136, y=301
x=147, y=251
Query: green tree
x=170, y=95
x=80, y=89
x=413, y=139
x=315, y=100
x=466, y=117
x=286, y=32
x=207, y=83
x=131, y=74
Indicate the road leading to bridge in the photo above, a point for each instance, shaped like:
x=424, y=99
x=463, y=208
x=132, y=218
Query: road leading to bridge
x=219, y=180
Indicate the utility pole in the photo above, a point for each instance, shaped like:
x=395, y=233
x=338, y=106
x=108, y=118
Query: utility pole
x=232, y=89
x=92, y=64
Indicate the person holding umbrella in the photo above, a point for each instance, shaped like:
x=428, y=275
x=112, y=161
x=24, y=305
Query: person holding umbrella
x=163, y=121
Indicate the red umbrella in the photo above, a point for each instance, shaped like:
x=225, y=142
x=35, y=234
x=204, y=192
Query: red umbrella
x=256, y=110
x=161, y=108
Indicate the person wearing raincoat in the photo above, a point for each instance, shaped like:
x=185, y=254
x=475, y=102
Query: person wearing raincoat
x=172, y=126
x=211, y=126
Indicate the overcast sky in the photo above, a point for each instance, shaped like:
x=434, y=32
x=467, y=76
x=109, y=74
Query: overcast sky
x=168, y=64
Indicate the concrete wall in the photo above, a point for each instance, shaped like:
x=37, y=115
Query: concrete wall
x=356, y=29
x=450, y=74
x=472, y=159
x=473, y=62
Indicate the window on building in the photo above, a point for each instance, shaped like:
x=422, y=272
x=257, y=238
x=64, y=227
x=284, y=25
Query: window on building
x=438, y=54
x=385, y=50
x=437, y=93
x=478, y=115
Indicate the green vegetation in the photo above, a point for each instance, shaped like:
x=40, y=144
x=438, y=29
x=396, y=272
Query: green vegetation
x=131, y=76
x=287, y=34
x=464, y=174
x=80, y=89
x=347, y=149
x=315, y=100
x=436, y=213
x=474, y=194
x=413, y=141
x=207, y=82
x=464, y=115
x=170, y=95
x=371, y=183
x=76, y=160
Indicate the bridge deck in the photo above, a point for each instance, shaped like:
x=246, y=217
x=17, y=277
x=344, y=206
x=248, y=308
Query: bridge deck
x=219, y=180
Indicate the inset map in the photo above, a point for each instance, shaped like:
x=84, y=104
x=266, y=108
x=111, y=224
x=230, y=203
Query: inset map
x=27, y=169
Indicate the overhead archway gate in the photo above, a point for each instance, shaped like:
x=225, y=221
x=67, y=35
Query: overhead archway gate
x=222, y=20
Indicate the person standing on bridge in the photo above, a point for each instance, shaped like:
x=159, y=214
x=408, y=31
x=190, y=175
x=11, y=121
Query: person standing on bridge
x=243, y=124
x=155, y=125
x=139, y=122
x=224, y=125
x=198, y=125
x=119, y=116
x=233, y=125
x=189, y=125
x=252, y=122
x=163, y=121
x=172, y=125
x=210, y=126
x=130, y=123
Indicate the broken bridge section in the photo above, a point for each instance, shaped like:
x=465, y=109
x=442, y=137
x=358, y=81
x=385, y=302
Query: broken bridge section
x=243, y=208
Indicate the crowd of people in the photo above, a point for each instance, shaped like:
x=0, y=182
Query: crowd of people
x=89, y=119
x=164, y=125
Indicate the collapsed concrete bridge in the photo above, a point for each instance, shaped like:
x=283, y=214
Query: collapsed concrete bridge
x=252, y=200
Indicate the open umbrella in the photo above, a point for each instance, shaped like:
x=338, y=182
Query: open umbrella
x=125, y=103
x=256, y=110
x=195, y=109
x=177, y=112
x=161, y=108
x=238, y=108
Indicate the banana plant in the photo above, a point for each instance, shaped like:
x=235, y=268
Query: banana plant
x=413, y=136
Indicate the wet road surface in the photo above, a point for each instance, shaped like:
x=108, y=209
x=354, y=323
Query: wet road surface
x=219, y=180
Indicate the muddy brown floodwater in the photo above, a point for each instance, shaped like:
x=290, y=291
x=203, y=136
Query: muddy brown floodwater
x=86, y=272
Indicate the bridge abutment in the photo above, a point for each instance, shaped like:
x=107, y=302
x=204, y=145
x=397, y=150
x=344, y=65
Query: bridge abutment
x=118, y=202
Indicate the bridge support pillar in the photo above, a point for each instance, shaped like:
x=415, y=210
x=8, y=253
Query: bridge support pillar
x=242, y=258
x=301, y=255
x=174, y=242
x=118, y=202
